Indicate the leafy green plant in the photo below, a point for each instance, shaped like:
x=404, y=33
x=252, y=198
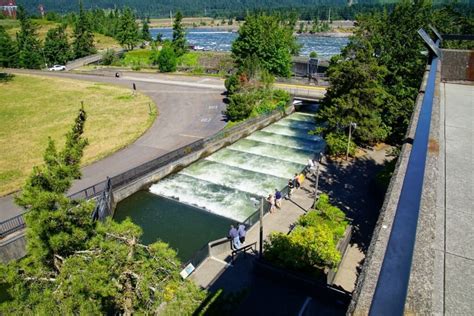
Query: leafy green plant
x=337, y=144
x=313, y=242
x=232, y=84
x=166, y=60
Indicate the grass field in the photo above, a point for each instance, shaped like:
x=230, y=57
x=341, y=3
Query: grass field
x=34, y=107
x=101, y=42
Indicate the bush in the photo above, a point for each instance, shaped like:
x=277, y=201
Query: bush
x=281, y=96
x=313, y=54
x=232, y=84
x=337, y=144
x=313, y=243
x=240, y=106
x=166, y=60
x=108, y=58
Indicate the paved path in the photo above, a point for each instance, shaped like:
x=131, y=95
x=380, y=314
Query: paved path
x=281, y=220
x=186, y=114
x=454, y=247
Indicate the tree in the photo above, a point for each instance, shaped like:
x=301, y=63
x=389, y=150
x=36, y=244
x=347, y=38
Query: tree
x=55, y=225
x=83, y=44
x=56, y=46
x=269, y=39
x=29, y=47
x=166, y=58
x=127, y=32
x=356, y=95
x=7, y=49
x=146, y=36
x=179, y=35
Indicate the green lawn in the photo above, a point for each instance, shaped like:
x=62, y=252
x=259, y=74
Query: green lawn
x=34, y=107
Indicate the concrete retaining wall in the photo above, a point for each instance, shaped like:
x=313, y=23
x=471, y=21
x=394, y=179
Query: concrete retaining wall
x=367, y=281
x=145, y=181
x=13, y=248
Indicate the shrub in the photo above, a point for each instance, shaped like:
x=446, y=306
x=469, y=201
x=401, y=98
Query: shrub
x=313, y=54
x=337, y=144
x=108, y=58
x=232, y=84
x=240, y=106
x=313, y=243
x=281, y=96
x=166, y=60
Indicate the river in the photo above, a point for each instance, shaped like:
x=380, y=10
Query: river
x=221, y=40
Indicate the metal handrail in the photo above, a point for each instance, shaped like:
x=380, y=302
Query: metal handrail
x=16, y=223
x=392, y=285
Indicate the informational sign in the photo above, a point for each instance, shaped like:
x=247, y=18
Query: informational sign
x=187, y=271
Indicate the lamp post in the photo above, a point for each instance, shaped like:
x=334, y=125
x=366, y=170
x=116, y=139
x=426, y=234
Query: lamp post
x=316, y=183
x=261, y=229
x=351, y=125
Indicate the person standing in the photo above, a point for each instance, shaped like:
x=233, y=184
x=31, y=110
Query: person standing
x=291, y=187
x=278, y=198
x=242, y=233
x=271, y=200
x=234, y=236
x=296, y=181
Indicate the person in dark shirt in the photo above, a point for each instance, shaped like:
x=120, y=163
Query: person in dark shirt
x=291, y=187
x=278, y=198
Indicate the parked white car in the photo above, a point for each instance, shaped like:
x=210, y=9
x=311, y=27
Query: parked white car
x=57, y=68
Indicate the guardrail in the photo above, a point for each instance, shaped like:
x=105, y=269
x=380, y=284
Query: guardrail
x=392, y=285
x=17, y=223
x=12, y=225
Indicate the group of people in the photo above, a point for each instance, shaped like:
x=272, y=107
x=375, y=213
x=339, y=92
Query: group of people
x=237, y=236
x=274, y=200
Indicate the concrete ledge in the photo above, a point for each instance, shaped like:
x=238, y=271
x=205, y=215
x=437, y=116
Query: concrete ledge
x=367, y=281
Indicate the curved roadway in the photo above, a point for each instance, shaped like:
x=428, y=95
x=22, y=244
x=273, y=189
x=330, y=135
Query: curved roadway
x=188, y=109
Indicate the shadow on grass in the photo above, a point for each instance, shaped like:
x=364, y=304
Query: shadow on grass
x=6, y=77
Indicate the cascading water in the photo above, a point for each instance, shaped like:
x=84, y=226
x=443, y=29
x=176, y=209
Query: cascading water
x=231, y=181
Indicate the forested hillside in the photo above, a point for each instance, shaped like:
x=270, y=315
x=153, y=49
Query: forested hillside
x=213, y=8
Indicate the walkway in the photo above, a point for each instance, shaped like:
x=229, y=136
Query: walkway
x=454, y=247
x=213, y=267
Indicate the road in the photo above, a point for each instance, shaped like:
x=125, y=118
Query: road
x=186, y=114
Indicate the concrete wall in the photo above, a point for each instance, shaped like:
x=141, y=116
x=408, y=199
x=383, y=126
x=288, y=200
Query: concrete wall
x=368, y=277
x=13, y=247
x=152, y=177
x=457, y=65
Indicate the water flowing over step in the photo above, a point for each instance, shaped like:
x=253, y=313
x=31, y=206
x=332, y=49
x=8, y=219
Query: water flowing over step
x=257, y=163
x=215, y=198
x=231, y=181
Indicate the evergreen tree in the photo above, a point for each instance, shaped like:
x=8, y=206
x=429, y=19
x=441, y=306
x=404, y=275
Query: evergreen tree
x=146, y=35
x=7, y=49
x=179, y=35
x=29, y=47
x=76, y=266
x=127, y=31
x=268, y=38
x=55, y=225
x=83, y=44
x=56, y=46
